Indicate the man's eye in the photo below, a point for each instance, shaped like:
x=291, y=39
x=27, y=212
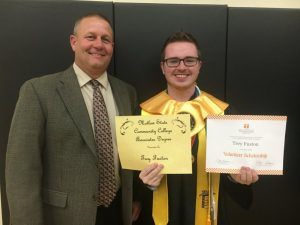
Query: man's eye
x=188, y=60
x=173, y=60
x=106, y=40
x=90, y=37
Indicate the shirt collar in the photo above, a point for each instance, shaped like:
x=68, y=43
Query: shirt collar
x=83, y=78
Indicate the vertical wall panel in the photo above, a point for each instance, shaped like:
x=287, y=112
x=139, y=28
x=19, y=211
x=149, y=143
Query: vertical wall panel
x=34, y=41
x=263, y=77
x=141, y=30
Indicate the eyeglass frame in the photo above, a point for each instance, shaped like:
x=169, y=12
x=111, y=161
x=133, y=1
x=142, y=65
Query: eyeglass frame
x=183, y=60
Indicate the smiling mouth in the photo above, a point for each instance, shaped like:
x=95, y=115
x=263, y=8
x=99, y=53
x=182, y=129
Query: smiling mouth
x=181, y=75
x=97, y=54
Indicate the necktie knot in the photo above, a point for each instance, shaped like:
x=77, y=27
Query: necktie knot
x=95, y=83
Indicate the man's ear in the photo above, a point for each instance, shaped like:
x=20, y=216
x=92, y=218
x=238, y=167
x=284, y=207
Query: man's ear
x=200, y=65
x=73, y=40
x=162, y=68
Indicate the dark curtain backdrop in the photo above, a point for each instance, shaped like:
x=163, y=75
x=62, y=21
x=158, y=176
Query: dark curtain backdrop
x=250, y=59
x=141, y=30
x=263, y=77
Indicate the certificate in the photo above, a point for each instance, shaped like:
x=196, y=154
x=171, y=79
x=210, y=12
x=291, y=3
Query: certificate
x=245, y=140
x=166, y=140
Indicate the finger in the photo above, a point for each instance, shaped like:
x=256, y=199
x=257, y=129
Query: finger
x=156, y=180
x=153, y=178
x=148, y=169
x=249, y=176
x=155, y=171
x=254, y=176
x=146, y=173
x=243, y=175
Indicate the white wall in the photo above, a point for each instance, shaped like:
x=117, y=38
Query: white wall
x=231, y=3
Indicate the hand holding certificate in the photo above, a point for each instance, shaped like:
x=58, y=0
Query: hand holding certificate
x=143, y=140
x=254, y=141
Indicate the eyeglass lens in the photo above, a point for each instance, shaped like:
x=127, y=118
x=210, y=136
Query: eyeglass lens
x=188, y=61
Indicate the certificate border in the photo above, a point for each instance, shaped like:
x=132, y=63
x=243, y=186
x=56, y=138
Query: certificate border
x=246, y=117
x=237, y=171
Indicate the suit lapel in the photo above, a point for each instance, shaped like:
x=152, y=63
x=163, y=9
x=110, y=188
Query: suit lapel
x=69, y=90
x=118, y=95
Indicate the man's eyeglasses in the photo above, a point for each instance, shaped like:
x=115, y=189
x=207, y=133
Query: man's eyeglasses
x=187, y=61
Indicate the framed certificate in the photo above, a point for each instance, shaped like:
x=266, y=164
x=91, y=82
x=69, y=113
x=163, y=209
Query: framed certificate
x=245, y=140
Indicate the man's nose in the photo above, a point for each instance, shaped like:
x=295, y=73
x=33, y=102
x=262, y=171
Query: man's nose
x=181, y=65
x=98, y=43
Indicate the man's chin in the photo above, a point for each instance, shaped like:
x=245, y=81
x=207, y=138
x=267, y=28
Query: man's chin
x=98, y=66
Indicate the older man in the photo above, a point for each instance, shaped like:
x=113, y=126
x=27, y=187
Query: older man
x=62, y=166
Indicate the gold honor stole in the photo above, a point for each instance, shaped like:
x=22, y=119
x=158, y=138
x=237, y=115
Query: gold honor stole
x=207, y=183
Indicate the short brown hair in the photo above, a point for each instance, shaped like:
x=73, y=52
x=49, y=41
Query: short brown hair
x=90, y=14
x=180, y=36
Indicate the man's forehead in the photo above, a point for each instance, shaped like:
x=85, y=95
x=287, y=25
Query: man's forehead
x=180, y=43
x=181, y=46
x=92, y=21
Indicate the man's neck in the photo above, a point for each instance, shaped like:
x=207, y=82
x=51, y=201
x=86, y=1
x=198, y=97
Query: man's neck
x=181, y=95
x=93, y=74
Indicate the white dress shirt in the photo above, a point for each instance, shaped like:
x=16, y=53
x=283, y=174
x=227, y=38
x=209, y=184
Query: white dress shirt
x=112, y=110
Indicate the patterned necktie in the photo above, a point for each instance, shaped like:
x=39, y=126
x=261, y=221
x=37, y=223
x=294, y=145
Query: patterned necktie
x=103, y=138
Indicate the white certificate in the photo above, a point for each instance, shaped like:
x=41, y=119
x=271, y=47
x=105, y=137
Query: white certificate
x=245, y=140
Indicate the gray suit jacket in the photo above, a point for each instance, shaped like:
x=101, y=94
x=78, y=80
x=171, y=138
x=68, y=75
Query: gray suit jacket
x=51, y=172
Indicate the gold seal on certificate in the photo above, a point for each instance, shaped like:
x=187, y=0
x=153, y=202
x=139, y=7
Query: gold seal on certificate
x=163, y=139
x=245, y=140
